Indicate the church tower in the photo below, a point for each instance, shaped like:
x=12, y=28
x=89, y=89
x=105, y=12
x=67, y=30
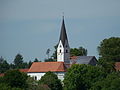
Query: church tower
x=63, y=49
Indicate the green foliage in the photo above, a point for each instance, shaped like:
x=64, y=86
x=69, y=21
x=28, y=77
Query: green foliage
x=14, y=78
x=78, y=51
x=51, y=80
x=29, y=64
x=54, y=55
x=108, y=66
x=4, y=86
x=50, y=60
x=36, y=60
x=110, y=49
x=82, y=77
x=18, y=61
x=111, y=82
x=4, y=66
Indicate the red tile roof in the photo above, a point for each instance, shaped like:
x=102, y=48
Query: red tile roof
x=117, y=66
x=23, y=70
x=1, y=74
x=47, y=66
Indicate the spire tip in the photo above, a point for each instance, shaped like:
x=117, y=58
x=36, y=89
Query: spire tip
x=63, y=15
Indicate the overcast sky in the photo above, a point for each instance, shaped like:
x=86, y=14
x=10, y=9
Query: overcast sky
x=30, y=27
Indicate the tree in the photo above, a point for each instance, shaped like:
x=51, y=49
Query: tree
x=108, y=66
x=54, y=55
x=50, y=60
x=18, y=61
x=48, y=52
x=29, y=64
x=33, y=85
x=78, y=51
x=82, y=77
x=4, y=66
x=109, y=49
x=36, y=60
x=14, y=78
x=51, y=80
x=111, y=82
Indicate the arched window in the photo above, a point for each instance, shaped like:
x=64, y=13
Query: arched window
x=66, y=51
x=60, y=50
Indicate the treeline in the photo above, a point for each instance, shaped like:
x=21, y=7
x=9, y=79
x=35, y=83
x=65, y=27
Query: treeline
x=18, y=63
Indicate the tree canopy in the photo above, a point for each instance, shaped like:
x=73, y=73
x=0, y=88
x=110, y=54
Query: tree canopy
x=82, y=77
x=4, y=66
x=109, y=49
x=78, y=51
x=18, y=61
x=111, y=82
x=14, y=78
x=51, y=80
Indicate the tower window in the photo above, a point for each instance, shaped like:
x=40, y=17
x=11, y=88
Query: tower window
x=60, y=46
x=60, y=50
x=66, y=51
x=66, y=45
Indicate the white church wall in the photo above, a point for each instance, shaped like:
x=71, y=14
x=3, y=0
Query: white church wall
x=60, y=52
x=39, y=75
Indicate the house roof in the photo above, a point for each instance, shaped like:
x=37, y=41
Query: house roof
x=1, y=74
x=63, y=34
x=82, y=59
x=117, y=66
x=47, y=66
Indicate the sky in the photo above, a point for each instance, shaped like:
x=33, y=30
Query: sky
x=30, y=27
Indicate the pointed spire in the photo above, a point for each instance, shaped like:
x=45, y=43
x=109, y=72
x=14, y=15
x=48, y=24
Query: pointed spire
x=63, y=35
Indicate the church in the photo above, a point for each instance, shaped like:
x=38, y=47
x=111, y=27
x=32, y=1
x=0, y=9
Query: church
x=64, y=61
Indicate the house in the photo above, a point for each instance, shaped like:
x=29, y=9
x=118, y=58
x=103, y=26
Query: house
x=91, y=60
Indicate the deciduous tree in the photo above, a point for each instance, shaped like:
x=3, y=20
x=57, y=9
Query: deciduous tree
x=15, y=78
x=109, y=49
x=78, y=51
x=51, y=80
x=82, y=77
